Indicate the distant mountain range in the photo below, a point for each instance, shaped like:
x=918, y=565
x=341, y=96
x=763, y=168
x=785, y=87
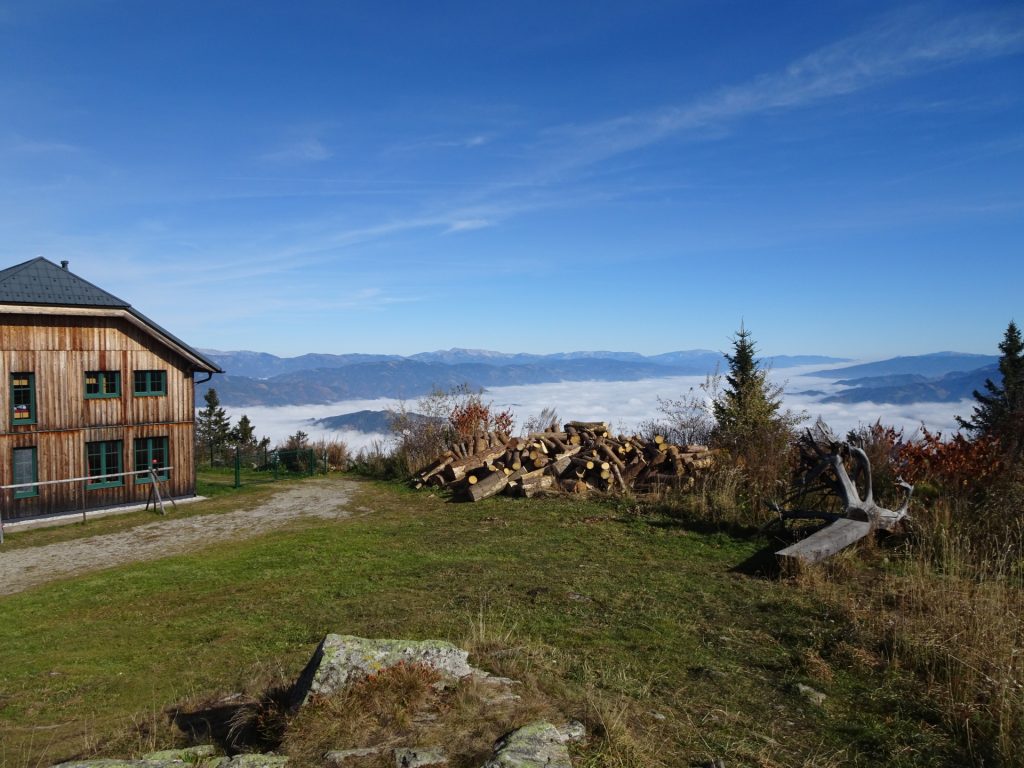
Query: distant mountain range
x=258, y=378
x=261, y=365
x=364, y=421
x=931, y=365
x=942, y=377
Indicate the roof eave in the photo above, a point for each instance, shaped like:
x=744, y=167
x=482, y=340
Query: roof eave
x=198, y=360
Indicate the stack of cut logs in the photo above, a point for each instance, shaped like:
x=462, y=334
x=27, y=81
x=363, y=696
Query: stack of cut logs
x=579, y=458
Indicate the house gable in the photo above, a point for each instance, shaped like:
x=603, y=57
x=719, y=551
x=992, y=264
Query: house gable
x=40, y=287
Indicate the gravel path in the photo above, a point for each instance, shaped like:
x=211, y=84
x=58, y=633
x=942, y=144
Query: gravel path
x=29, y=567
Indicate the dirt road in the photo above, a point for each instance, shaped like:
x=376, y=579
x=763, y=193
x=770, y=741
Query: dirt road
x=24, y=568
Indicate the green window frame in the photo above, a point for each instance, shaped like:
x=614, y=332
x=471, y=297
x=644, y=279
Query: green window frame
x=103, y=458
x=101, y=384
x=148, y=450
x=25, y=469
x=149, y=383
x=23, y=398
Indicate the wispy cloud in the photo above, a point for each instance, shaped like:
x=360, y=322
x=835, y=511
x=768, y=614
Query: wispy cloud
x=308, y=149
x=467, y=225
x=903, y=45
x=899, y=46
x=469, y=142
x=464, y=142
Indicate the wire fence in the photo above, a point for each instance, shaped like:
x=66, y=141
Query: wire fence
x=248, y=466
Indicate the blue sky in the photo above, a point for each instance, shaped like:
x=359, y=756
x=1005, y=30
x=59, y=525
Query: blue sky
x=846, y=178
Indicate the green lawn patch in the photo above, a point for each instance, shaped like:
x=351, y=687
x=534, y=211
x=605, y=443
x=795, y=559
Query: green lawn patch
x=640, y=627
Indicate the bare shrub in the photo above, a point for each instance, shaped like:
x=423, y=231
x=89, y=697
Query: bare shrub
x=377, y=460
x=440, y=419
x=422, y=434
x=540, y=422
x=688, y=420
x=334, y=453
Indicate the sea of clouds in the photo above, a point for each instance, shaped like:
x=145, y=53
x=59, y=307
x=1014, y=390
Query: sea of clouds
x=623, y=404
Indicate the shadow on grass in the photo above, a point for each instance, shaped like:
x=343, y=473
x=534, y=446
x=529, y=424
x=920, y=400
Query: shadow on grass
x=763, y=564
x=237, y=723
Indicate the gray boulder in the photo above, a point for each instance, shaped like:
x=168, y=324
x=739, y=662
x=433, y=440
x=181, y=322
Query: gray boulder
x=537, y=745
x=419, y=758
x=186, y=755
x=339, y=758
x=195, y=757
x=340, y=660
x=256, y=760
x=815, y=697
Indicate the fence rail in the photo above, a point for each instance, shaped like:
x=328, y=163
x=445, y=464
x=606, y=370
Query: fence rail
x=156, y=475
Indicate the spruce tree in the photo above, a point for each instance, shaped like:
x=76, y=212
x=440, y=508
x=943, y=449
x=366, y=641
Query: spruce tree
x=244, y=433
x=213, y=428
x=749, y=404
x=751, y=426
x=1000, y=412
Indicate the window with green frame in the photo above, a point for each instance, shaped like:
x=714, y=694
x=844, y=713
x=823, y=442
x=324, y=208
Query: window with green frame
x=150, y=452
x=104, y=459
x=23, y=398
x=26, y=470
x=102, y=384
x=150, y=383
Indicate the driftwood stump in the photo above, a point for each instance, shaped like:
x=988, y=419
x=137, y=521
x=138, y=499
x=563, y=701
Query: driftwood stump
x=823, y=455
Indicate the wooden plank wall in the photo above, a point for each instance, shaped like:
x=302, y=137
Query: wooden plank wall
x=59, y=350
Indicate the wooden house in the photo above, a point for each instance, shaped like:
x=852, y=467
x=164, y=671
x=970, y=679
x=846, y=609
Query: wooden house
x=92, y=392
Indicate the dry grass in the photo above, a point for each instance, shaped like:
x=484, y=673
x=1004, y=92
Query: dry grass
x=412, y=706
x=335, y=452
x=954, y=614
x=408, y=705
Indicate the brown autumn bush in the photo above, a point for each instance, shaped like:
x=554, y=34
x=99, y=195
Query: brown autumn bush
x=440, y=419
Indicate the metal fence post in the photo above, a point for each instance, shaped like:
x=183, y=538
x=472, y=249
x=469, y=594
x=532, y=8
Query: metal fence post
x=238, y=469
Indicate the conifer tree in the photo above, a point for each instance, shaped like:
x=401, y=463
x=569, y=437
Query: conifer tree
x=749, y=404
x=244, y=433
x=751, y=426
x=1000, y=412
x=213, y=428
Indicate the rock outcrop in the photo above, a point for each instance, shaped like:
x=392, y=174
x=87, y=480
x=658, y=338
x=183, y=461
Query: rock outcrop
x=340, y=660
x=193, y=757
x=537, y=745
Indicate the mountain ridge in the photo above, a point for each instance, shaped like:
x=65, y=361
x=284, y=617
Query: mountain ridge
x=263, y=365
x=932, y=364
x=258, y=378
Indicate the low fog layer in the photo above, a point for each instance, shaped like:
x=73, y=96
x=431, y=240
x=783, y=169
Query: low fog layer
x=624, y=404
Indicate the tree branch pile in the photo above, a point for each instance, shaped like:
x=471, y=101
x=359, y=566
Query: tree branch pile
x=580, y=457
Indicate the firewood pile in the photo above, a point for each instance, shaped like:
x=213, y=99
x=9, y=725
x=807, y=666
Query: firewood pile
x=581, y=457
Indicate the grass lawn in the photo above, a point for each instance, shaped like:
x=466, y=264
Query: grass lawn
x=649, y=632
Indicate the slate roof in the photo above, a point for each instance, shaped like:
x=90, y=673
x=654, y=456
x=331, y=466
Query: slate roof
x=41, y=282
